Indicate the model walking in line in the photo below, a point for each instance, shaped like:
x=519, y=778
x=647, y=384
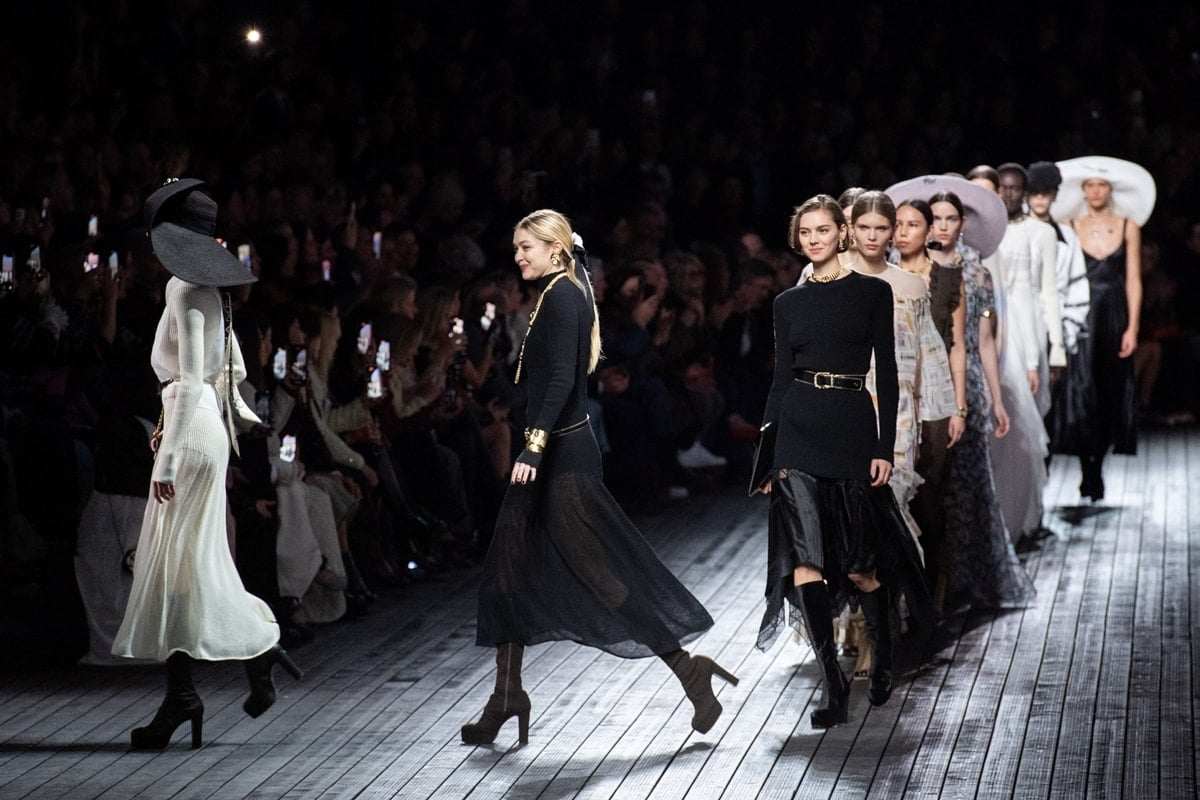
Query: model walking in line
x=836, y=537
x=565, y=563
x=1107, y=201
x=187, y=601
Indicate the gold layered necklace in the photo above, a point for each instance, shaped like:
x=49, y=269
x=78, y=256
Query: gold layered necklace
x=532, y=317
x=833, y=276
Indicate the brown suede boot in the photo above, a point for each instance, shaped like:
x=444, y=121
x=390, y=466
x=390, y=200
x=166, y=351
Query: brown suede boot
x=695, y=673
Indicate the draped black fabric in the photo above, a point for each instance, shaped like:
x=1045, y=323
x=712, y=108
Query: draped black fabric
x=1114, y=422
x=839, y=527
x=1073, y=410
x=565, y=563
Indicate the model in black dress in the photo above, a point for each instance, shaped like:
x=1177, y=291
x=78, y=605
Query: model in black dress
x=565, y=563
x=1115, y=285
x=836, y=536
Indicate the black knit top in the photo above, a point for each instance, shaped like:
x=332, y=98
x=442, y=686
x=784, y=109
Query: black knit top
x=555, y=359
x=833, y=327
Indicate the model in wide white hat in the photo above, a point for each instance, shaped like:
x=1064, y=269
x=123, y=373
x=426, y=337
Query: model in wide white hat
x=1107, y=200
x=1133, y=189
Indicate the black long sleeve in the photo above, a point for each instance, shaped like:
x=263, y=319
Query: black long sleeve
x=834, y=327
x=555, y=360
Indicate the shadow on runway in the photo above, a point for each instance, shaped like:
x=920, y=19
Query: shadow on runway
x=618, y=770
x=1077, y=515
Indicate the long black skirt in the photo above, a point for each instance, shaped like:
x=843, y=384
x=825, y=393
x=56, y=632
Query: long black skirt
x=566, y=564
x=839, y=527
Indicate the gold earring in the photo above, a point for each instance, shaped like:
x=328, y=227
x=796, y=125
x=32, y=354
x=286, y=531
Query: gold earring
x=843, y=244
x=555, y=260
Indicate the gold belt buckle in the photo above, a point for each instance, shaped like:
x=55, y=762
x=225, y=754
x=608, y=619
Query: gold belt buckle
x=817, y=376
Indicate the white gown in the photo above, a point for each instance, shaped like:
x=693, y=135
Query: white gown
x=187, y=595
x=1019, y=458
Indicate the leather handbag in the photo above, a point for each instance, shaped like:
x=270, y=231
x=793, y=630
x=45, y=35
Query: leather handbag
x=764, y=457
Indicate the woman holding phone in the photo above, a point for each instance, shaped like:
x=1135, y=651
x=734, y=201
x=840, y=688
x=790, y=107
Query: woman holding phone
x=187, y=601
x=565, y=563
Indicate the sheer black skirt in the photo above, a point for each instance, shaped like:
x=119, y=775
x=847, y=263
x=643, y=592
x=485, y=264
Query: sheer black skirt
x=839, y=527
x=566, y=564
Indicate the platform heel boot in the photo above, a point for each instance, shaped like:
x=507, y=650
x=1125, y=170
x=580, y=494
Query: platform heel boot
x=181, y=705
x=818, y=615
x=507, y=701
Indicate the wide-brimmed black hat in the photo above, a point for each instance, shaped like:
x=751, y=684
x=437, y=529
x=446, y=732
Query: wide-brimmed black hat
x=181, y=218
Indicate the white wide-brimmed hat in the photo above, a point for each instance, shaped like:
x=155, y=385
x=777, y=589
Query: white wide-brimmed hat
x=986, y=217
x=1133, y=190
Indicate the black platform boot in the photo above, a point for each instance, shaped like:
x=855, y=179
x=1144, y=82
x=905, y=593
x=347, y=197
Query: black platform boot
x=262, y=683
x=875, y=607
x=507, y=701
x=818, y=615
x=180, y=705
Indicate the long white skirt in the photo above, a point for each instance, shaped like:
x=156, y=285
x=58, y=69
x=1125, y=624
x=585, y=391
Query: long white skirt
x=187, y=595
x=1019, y=458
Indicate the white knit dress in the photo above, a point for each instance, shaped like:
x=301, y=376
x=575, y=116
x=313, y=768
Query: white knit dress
x=187, y=595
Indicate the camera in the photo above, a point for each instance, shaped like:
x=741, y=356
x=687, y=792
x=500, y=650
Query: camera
x=91, y=262
x=383, y=355
x=489, y=316
x=364, y=338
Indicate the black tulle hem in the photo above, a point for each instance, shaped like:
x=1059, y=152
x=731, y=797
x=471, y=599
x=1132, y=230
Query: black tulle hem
x=567, y=564
x=838, y=527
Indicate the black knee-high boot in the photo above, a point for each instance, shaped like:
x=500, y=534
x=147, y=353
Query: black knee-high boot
x=879, y=630
x=818, y=615
x=508, y=700
x=180, y=705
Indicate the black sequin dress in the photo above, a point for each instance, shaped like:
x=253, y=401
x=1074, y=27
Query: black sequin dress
x=565, y=562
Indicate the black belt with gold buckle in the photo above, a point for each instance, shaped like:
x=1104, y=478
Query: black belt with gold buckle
x=832, y=380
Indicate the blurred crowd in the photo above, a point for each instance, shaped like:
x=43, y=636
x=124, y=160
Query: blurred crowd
x=369, y=164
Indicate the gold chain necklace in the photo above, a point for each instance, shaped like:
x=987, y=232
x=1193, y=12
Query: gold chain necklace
x=833, y=276
x=532, y=317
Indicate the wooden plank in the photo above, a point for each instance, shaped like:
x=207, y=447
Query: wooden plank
x=1069, y=778
x=1065, y=596
x=1141, y=737
x=1112, y=698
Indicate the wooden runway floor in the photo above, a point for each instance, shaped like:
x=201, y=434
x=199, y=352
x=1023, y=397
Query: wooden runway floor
x=1090, y=692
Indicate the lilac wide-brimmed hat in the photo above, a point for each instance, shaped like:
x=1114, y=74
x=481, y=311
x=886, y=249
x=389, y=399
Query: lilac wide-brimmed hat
x=986, y=217
x=181, y=218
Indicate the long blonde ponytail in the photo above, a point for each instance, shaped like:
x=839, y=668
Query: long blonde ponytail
x=551, y=226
